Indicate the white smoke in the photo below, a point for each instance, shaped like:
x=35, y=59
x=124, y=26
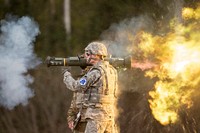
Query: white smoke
x=119, y=36
x=16, y=58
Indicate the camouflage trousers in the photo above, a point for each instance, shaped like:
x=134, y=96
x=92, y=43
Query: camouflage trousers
x=94, y=126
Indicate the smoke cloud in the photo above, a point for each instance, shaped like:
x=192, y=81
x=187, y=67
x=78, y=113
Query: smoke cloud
x=118, y=37
x=16, y=58
x=121, y=37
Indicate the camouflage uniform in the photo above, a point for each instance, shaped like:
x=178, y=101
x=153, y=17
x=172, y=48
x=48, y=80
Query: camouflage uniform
x=95, y=93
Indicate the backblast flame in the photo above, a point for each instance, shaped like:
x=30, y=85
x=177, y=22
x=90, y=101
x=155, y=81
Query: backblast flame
x=142, y=65
x=177, y=59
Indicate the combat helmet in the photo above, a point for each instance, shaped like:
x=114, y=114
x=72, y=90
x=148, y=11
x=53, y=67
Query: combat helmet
x=97, y=48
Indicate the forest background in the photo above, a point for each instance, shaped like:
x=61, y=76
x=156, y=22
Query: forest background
x=90, y=19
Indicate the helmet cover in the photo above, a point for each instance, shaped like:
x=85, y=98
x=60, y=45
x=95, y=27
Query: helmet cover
x=97, y=48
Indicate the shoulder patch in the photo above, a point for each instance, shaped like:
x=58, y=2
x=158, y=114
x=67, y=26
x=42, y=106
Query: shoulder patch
x=82, y=81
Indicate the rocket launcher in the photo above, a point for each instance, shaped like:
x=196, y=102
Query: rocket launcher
x=81, y=61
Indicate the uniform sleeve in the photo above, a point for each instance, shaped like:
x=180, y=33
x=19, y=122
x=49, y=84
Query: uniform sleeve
x=83, y=83
x=90, y=79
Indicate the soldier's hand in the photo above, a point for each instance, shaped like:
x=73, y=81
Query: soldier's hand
x=71, y=125
x=66, y=71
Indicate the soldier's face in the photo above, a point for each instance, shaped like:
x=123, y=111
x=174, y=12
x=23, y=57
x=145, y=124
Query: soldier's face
x=92, y=59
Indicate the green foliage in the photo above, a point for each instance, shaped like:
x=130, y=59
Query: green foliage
x=88, y=20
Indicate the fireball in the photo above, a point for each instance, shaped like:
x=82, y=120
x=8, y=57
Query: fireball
x=176, y=59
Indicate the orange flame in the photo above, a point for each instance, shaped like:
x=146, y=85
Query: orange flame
x=177, y=66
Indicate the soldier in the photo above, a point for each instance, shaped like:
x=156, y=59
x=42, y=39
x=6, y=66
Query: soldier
x=95, y=94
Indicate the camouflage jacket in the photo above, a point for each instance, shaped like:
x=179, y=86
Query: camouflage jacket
x=95, y=91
